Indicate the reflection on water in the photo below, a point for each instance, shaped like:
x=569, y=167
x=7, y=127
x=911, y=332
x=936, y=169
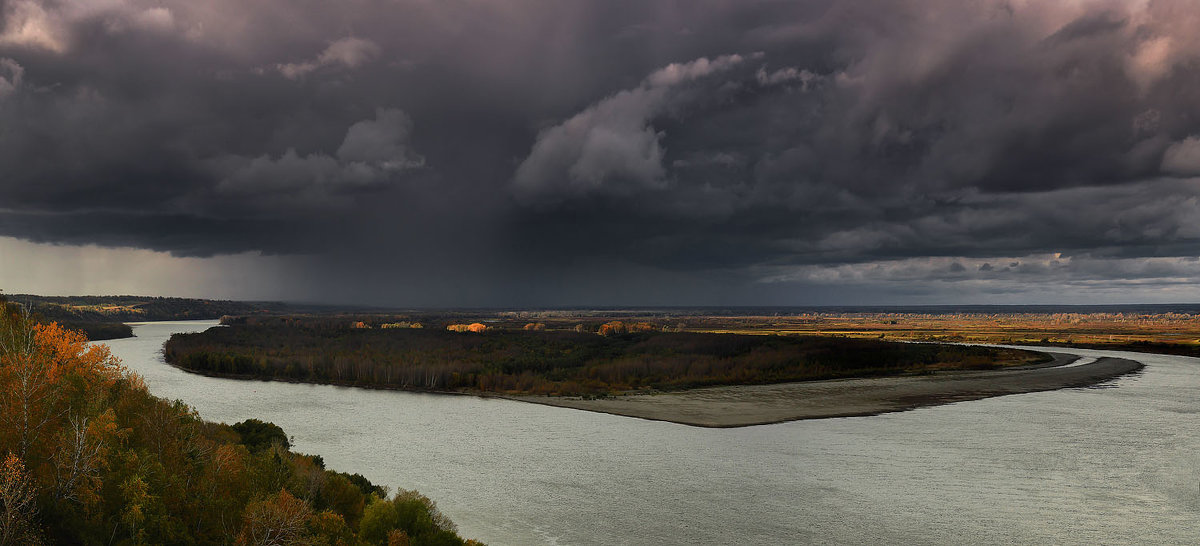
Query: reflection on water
x=1077, y=466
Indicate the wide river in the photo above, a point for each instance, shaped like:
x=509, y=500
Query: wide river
x=1076, y=466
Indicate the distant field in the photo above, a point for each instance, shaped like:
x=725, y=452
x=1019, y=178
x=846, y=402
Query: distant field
x=1174, y=330
x=1144, y=328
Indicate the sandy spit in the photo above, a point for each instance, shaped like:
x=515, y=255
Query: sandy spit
x=745, y=405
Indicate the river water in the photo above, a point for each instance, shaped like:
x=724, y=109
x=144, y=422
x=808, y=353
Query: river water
x=1076, y=466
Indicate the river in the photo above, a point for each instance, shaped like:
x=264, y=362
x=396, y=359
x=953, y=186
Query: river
x=1077, y=466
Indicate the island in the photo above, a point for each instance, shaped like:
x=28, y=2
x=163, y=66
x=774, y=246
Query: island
x=632, y=368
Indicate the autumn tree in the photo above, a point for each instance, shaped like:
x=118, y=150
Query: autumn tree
x=46, y=371
x=81, y=454
x=18, y=511
x=279, y=521
x=617, y=327
x=328, y=528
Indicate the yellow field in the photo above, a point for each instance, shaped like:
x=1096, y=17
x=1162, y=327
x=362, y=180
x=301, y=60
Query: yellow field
x=1070, y=328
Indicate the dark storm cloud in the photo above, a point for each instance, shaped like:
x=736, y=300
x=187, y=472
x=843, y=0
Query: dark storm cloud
x=722, y=142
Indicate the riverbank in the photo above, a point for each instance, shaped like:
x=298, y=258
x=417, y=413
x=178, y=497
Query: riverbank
x=746, y=405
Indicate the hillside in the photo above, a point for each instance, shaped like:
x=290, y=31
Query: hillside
x=89, y=456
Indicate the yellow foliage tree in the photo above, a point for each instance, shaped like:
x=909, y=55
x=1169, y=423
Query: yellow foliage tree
x=280, y=521
x=17, y=507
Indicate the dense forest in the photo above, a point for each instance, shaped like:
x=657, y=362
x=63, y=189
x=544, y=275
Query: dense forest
x=533, y=360
x=89, y=456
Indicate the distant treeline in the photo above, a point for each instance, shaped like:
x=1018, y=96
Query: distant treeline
x=1153, y=347
x=531, y=361
x=103, y=317
x=98, y=331
x=94, y=330
x=138, y=308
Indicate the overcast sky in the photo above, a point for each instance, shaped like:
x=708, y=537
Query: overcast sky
x=602, y=152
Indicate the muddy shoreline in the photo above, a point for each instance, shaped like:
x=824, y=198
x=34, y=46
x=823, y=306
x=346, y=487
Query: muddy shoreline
x=747, y=405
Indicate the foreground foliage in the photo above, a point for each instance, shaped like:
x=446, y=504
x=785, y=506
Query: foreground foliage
x=537, y=361
x=89, y=456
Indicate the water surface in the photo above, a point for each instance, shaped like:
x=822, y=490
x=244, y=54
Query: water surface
x=1076, y=466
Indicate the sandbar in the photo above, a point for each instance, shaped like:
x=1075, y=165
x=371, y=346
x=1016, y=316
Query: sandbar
x=746, y=405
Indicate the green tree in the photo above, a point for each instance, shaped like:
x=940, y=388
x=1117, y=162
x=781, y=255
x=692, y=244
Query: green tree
x=258, y=435
x=408, y=511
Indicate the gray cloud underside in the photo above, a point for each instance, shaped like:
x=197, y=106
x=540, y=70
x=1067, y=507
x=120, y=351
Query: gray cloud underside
x=726, y=141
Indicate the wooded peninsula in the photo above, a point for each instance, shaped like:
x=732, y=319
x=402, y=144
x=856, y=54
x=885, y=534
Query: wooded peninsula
x=591, y=360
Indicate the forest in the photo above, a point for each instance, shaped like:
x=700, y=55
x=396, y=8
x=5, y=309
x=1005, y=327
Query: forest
x=591, y=359
x=89, y=456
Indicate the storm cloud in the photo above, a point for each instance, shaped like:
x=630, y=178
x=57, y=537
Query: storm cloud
x=599, y=152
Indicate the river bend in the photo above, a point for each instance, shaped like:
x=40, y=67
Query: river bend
x=1077, y=466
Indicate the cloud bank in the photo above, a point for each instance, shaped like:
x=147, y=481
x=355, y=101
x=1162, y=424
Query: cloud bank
x=529, y=151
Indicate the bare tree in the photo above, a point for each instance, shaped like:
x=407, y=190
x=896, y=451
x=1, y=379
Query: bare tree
x=77, y=460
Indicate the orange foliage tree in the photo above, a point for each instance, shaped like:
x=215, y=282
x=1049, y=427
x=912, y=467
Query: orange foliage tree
x=476, y=327
x=617, y=327
x=51, y=376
